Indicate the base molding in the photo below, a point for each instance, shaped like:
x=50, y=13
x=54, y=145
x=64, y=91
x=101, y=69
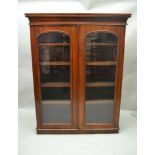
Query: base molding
x=77, y=131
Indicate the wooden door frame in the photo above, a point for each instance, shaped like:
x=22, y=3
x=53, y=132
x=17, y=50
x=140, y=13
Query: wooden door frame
x=72, y=32
x=107, y=127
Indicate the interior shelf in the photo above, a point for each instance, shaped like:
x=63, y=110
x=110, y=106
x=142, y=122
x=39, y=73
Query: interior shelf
x=99, y=101
x=55, y=84
x=101, y=44
x=54, y=63
x=99, y=84
x=68, y=101
x=54, y=44
x=56, y=102
x=94, y=63
x=100, y=63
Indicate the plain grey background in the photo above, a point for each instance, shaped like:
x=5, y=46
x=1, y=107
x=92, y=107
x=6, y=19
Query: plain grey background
x=129, y=89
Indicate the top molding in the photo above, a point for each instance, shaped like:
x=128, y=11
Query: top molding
x=77, y=18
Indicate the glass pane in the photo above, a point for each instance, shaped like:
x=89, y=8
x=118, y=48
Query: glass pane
x=99, y=93
x=99, y=112
x=53, y=37
x=56, y=113
x=55, y=93
x=53, y=53
x=55, y=73
x=101, y=37
x=54, y=58
x=101, y=51
x=100, y=73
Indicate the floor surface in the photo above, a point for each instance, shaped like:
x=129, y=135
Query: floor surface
x=123, y=143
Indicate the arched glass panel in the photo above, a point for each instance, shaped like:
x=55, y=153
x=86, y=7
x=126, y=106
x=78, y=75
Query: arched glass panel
x=53, y=37
x=101, y=51
x=54, y=59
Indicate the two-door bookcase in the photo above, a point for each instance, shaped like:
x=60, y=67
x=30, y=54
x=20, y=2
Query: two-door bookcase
x=77, y=64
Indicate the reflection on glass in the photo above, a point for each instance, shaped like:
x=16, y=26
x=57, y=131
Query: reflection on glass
x=54, y=53
x=54, y=58
x=101, y=47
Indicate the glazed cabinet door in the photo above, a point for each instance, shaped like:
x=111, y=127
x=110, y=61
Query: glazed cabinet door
x=54, y=57
x=100, y=75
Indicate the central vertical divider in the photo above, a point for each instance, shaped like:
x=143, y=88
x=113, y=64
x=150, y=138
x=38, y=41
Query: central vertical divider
x=77, y=56
x=75, y=76
x=81, y=77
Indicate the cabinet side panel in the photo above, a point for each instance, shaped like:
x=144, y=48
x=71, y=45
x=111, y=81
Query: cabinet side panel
x=36, y=79
x=119, y=74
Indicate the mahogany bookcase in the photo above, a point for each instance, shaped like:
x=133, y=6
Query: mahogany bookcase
x=77, y=71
